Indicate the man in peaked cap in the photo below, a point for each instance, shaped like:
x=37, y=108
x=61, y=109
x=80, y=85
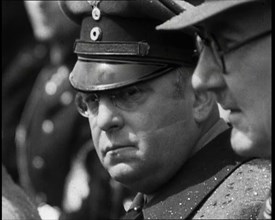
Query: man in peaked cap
x=235, y=63
x=151, y=131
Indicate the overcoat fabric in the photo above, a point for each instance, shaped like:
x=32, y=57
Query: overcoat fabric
x=211, y=185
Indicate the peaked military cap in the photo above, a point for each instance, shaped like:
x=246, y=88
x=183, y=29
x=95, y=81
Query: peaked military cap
x=195, y=11
x=119, y=44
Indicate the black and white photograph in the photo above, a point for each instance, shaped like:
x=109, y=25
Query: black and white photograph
x=136, y=109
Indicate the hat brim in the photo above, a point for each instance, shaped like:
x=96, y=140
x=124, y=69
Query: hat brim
x=90, y=75
x=195, y=14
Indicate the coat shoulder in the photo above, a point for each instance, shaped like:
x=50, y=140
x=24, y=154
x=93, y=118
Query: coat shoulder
x=16, y=204
x=241, y=195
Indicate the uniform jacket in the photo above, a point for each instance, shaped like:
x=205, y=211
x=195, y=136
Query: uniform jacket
x=16, y=204
x=214, y=184
x=49, y=134
x=17, y=82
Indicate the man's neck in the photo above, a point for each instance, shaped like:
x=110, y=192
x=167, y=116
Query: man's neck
x=217, y=128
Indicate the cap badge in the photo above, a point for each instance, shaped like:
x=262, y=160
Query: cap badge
x=96, y=13
x=95, y=33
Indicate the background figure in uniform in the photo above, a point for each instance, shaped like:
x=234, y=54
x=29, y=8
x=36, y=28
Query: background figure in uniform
x=18, y=52
x=235, y=64
x=151, y=131
x=53, y=141
x=22, y=59
x=16, y=204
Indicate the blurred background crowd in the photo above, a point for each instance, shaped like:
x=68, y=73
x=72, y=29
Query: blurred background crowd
x=46, y=145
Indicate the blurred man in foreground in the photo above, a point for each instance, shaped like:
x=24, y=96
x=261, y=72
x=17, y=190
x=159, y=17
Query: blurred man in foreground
x=234, y=41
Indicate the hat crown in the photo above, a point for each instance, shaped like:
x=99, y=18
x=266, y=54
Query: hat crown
x=126, y=30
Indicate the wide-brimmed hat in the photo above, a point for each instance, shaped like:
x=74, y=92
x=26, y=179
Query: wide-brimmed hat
x=195, y=11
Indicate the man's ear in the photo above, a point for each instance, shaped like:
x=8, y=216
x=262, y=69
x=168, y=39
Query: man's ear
x=203, y=105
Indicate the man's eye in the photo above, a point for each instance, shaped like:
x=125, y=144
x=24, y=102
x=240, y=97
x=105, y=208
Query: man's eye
x=91, y=98
x=226, y=43
x=92, y=102
x=131, y=93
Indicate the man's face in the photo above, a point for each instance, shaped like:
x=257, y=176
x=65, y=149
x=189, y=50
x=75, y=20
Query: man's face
x=143, y=147
x=245, y=88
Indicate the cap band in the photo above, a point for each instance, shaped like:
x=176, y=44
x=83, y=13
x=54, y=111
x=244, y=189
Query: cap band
x=111, y=48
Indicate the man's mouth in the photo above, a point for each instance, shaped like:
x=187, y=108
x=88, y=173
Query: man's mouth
x=230, y=107
x=116, y=148
x=234, y=110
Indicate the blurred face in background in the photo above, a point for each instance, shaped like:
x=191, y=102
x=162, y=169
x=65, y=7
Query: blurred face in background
x=47, y=20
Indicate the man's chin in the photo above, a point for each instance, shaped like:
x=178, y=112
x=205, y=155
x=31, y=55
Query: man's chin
x=241, y=143
x=121, y=172
x=250, y=144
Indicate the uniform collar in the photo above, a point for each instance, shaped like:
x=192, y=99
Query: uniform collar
x=219, y=127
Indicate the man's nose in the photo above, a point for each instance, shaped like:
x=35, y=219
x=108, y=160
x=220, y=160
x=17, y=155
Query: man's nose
x=109, y=117
x=208, y=74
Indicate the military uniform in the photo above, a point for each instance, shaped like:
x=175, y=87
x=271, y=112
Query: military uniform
x=122, y=36
x=43, y=136
x=17, y=82
x=16, y=204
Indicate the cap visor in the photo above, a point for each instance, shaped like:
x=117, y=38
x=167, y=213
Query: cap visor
x=98, y=76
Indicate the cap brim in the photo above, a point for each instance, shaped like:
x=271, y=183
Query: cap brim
x=98, y=76
x=195, y=14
